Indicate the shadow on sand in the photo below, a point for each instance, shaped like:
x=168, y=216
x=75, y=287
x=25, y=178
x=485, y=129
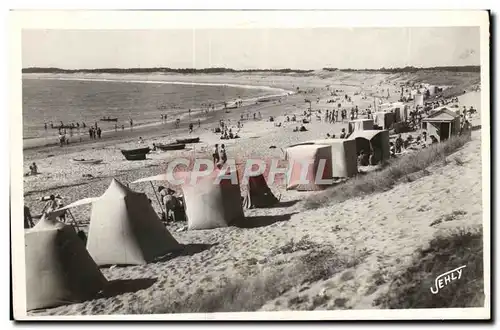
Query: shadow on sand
x=186, y=250
x=262, y=221
x=117, y=287
x=284, y=204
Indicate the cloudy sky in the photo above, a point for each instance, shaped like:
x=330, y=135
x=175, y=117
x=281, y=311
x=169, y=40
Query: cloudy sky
x=252, y=48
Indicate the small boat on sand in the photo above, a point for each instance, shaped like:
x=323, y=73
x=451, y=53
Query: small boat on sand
x=188, y=140
x=87, y=161
x=170, y=146
x=136, y=154
x=109, y=119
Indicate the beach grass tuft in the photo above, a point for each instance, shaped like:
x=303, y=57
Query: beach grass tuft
x=411, y=289
x=250, y=294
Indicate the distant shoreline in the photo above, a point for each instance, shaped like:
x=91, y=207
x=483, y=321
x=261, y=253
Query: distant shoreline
x=36, y=142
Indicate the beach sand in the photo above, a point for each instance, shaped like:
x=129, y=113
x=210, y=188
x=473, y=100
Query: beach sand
x=387, y=227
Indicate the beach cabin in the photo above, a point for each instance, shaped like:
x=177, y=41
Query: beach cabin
x=384, y=120
x=344, y=157
x=400, y=112
x=418, y=100
x=310, y=167
x=374, y=141
x=443, y=124
x=360, y=125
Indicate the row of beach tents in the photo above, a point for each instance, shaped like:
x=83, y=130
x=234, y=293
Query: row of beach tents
x=126, y=230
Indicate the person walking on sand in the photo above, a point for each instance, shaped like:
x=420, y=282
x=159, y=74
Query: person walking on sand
x=131, y=123
x=215, y=155
x=90, y=133
x=190, y=127
x=199, y=123
x=99, y=132
x=123, y=127
x=222, y=156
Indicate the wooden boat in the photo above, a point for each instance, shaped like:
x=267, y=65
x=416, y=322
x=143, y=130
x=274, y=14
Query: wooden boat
x=136, y=154
x=171, y=146
x=109, y=119
x=63, y=127
x=87, y=161
x=188, y=140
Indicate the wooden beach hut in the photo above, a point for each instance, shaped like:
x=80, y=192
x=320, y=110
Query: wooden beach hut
x=443, y=124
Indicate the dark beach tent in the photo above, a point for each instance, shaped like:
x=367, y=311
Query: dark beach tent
x=258, y=195
x=373, y=141
x=213, y=201
x=125, y=229
x=59, y=270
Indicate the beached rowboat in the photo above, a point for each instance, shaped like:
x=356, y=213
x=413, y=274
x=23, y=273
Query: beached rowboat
x=188, y=140
x=136, y=154
x=171, y=146
x=109, y=119
x=87, y=161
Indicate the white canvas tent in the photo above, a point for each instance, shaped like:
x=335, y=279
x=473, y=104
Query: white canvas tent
x=59, y=270
x=209, y=203
x=344, y=158
x=306, y=159
x=124, y=228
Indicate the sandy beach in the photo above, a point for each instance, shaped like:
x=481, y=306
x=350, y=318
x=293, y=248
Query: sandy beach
x=383, y=230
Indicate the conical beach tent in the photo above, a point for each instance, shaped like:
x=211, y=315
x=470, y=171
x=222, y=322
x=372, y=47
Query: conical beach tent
x=124, y=229
x=59, y=270
x=258, y=193
x=212, y=202
x=310, y=166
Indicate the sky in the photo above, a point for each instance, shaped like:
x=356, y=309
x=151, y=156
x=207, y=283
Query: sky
x=307, y=49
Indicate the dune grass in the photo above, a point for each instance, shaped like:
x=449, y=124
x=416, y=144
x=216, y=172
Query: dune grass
x=446, y=252
x=392, y=173
x=249, y=294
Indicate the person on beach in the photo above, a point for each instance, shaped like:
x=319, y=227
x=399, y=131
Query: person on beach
x=28, y=220
x=95, y=125
x=99, y=132
x=399, y=144
x=90, y=133
x=140, y=140
x=123, y=127
x=131, y=123
x=222, y=156
x=215, y=155
x=162, y=120
x=33, y=169
x=61, y=139
x=343, y=134
x=83, y=125
x=190, y=127
x=45, y=125
x=199, y=123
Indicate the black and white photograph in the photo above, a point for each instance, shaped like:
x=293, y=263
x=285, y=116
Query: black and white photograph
x=297, y=165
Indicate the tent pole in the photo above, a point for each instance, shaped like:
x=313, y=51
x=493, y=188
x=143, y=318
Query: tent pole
x=157, y=199
x=74, y=221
